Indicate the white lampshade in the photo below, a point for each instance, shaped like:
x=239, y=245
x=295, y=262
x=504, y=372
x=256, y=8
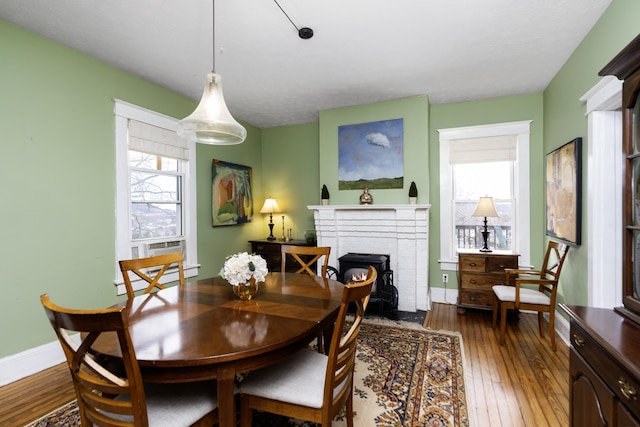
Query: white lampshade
x=211, y=122
x=485, y=208
x=270, y=206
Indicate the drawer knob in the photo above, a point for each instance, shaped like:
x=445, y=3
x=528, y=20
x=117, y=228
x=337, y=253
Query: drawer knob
x=472, y=281
x=473, y=264
x=627, y=389
x=578, y=340
x=502, y=266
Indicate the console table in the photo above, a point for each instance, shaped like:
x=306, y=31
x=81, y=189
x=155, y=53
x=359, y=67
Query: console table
x=270, y=250
x=477, y=273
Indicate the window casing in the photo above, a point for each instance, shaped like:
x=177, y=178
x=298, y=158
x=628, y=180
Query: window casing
x=155, y=190
x=505, y=144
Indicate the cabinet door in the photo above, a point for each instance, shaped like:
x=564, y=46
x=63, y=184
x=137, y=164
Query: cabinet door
x=625, y=419
x=592, y=403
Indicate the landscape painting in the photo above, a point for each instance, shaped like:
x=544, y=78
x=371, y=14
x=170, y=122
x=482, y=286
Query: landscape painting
x=371, y=155
x=232, y=196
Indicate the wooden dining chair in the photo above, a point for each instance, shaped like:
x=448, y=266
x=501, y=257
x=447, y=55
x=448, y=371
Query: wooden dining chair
x=144, y=268
x=108, y=397
x=542, y=298
x=310, y=385
x=306, y=256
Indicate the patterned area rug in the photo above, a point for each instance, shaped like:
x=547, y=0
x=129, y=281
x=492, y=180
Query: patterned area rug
x=405, y=376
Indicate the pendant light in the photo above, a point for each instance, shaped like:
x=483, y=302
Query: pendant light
x=211, y=122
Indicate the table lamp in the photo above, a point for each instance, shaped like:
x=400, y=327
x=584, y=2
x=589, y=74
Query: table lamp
x=270, y=206
x=486, y=209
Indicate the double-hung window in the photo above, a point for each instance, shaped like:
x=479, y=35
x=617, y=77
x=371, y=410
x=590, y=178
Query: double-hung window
x=155, y=190
x=490, y=160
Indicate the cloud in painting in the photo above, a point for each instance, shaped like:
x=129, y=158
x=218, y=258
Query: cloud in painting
x=377, y=138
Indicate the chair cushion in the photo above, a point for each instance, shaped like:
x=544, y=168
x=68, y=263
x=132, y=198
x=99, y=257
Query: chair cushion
x=177, y=404
x=298, y=379
x=527, y=296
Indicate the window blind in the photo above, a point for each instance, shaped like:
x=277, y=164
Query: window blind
x=482, y=150
x=156, y=140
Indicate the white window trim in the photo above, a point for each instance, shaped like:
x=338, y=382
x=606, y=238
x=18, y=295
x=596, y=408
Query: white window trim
x=521, y=195
x=123, y=112
x=605, y=162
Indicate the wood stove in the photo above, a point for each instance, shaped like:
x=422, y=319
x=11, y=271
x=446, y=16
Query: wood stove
x=384, y=294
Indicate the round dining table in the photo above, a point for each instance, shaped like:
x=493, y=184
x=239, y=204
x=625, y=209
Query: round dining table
x=203, y=331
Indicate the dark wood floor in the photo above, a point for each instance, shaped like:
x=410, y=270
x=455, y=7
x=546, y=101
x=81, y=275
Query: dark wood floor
x=523, y=383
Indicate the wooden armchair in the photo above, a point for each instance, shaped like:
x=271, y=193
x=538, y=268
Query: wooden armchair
x=137, y=266
x=108, y=397
x=309, y=385
x=542, y=299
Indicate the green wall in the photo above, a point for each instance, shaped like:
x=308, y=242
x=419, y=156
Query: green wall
x=500, y=110
x=564, y=117
x=291, y=176
x=57, y=168
x=415, y=112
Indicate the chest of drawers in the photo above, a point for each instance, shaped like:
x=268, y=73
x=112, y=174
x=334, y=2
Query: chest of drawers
x=477, y=273
x=270, y=250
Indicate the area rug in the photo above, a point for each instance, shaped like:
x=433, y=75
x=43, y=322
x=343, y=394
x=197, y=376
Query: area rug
x=405, y=375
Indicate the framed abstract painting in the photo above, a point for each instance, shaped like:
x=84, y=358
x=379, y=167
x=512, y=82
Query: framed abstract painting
x=231, y=195
x=564, y=192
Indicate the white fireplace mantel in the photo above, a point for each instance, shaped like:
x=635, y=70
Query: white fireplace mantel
x=400, y=231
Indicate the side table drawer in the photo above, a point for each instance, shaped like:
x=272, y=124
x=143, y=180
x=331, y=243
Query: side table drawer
x=625, y=387
x=472, y=263
x=476, y=298
x=478, y=281
x=498, y=264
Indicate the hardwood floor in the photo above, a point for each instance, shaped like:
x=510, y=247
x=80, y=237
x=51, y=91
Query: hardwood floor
x=523, y=383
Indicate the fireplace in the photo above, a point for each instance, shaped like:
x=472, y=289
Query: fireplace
x=401, y=231
x=384, y=295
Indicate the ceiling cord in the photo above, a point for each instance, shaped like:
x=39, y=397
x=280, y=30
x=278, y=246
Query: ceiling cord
x=304, y=32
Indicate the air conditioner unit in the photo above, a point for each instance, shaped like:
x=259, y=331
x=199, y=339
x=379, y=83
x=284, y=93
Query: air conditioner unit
x=163, y=248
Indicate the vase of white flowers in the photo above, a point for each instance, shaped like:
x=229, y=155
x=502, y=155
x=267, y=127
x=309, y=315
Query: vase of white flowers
x=244, y=272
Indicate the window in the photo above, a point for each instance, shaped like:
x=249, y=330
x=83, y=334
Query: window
x=156, y=199
x=490, y=160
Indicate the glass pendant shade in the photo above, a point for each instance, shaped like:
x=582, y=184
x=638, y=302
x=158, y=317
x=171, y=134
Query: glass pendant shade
x=211, y=122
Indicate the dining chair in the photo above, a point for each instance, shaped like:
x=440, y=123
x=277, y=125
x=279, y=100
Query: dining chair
x=144, y=268
x=306, y=256
x=541, y=298
x=109, y=396
x=310, y=385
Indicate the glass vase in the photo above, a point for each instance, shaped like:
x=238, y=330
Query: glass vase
x=246, y=291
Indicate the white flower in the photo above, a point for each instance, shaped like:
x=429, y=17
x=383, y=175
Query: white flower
x=240, y=267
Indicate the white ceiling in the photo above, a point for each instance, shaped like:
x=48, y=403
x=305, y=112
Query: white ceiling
x=363, y=51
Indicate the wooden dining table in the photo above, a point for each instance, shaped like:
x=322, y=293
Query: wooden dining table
x=202, y=331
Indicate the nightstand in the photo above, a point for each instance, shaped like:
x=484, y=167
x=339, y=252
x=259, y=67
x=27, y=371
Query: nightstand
x=477, y=273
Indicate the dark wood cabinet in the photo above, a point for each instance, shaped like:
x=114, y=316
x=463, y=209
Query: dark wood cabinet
x=477, y=273
x=605, y=350
x=270, y=250
x=604, y=377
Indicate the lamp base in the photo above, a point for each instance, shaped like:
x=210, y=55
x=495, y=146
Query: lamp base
x=271, y=236
x=485, y=250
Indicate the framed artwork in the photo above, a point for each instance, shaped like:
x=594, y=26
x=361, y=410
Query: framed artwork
x=231, y=195
x=371, y=155
x=564, y=192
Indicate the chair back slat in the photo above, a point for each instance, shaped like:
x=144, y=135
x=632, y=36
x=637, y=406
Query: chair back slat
x=306, y=256
x=141, y=268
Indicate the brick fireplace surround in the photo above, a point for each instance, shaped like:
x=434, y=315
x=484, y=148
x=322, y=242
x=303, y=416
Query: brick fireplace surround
x=401, y=231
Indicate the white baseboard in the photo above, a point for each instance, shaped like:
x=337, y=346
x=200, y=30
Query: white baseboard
x=21, y=365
